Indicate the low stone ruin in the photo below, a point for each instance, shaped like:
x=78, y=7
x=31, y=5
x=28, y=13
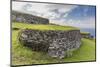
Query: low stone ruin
x=28, y=18
x=55, y=43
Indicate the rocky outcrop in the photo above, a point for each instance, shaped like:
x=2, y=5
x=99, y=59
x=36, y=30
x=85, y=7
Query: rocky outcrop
x=28, y=18
x=55, y=43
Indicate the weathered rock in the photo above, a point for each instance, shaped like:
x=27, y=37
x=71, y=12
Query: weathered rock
x=55, y=43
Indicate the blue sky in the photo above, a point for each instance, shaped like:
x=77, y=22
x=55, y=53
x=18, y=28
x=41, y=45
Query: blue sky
x=72, y=15
x=82, y=12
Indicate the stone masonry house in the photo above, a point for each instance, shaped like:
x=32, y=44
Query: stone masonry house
x=28, y=18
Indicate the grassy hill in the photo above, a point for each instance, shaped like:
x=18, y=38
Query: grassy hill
x=22, y=55
x=42, y=27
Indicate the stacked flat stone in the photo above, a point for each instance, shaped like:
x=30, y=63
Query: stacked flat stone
x=28, y=18
x=55, y=43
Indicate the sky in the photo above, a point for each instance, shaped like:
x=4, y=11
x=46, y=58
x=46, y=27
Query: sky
x=82, y=16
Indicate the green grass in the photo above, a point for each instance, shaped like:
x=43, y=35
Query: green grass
x=41, y=26
x=86, y=52
x=23, y=56
x=85, y=33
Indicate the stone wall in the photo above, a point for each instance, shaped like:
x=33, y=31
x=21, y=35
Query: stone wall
x=55, y=43
x=28, y=18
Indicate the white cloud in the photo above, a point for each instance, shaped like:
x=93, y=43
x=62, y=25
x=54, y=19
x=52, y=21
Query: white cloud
x=35, y=7
x=86, y=23
x=43, y=9
x=60, y=10
x=18, y=5
x=54, y=12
